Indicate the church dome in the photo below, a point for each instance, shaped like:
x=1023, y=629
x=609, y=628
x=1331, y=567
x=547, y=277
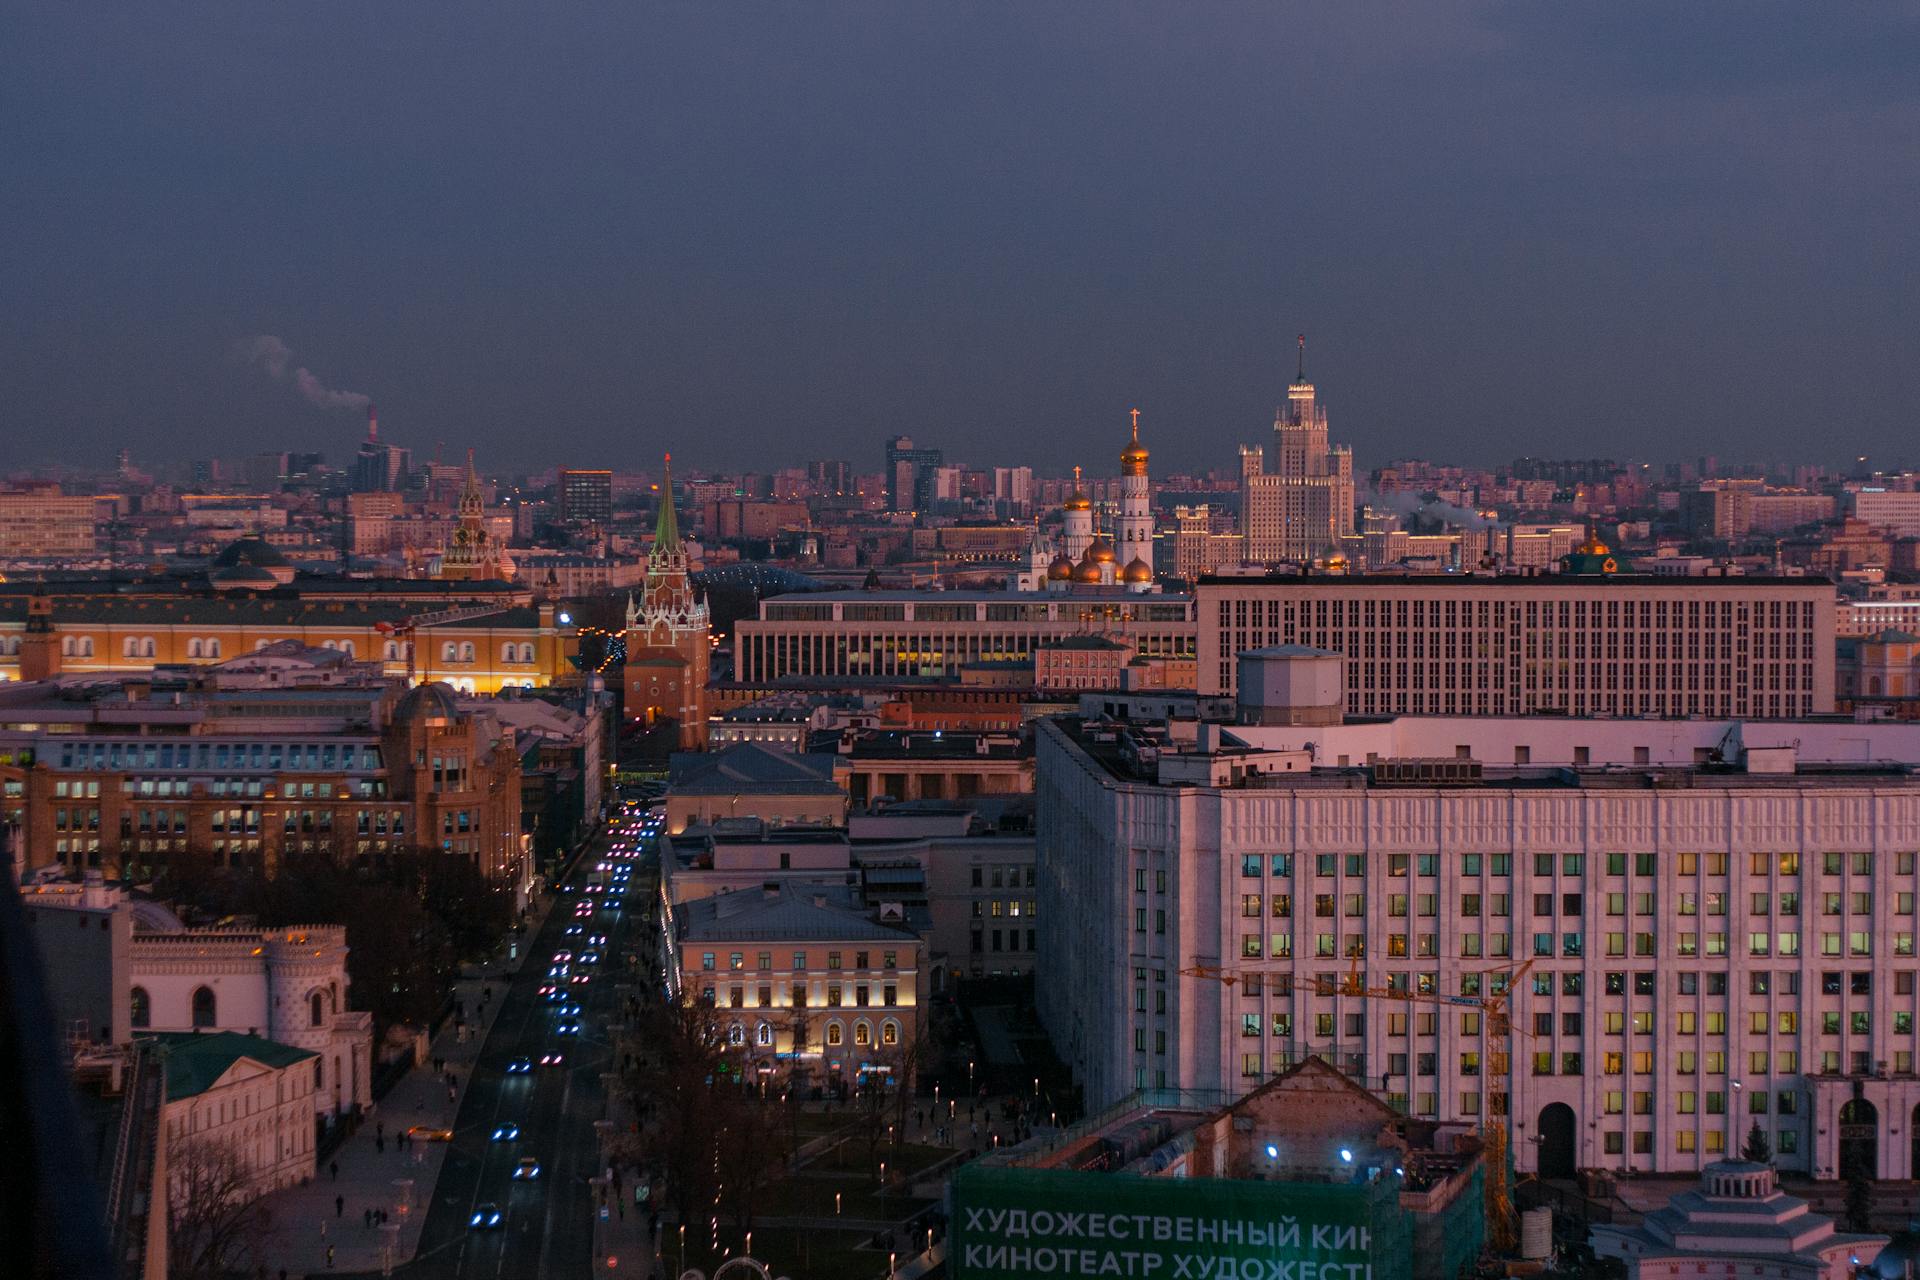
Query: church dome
x=249, y=551
x=243, y=577
x=1078, y=502
x=1593, y=547
x=431, y=701
x=1088, y=570
x=1137, y=571
x=1101, y=552
x=1133, y=458
x=1061, y=570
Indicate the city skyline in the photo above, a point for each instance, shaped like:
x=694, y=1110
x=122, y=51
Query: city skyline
x=1507, y=230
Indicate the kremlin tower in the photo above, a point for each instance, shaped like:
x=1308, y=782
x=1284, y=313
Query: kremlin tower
x=471, y=554
x=669, y=641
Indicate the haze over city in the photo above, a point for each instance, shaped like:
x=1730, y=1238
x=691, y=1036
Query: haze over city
x=1510, y=228
x=827, y=641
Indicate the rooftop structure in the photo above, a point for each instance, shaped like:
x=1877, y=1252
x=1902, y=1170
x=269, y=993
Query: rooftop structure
x=1738, y=1218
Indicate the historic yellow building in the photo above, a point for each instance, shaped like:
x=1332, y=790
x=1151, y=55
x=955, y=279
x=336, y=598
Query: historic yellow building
x=478, y=636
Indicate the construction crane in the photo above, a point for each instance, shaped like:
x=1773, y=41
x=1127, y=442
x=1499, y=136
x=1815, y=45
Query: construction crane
x=409, y=627
x=1499, y=984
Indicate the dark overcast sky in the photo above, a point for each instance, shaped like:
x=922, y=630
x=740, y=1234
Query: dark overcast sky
x=580, y=233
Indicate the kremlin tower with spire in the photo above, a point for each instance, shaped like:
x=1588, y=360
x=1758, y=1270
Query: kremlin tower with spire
x=669, y=639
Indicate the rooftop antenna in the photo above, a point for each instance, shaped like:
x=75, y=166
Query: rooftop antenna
x=373, y=425
x=1300, y=368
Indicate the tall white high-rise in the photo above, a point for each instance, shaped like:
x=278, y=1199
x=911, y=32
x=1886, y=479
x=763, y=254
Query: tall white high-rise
x=1304, y=506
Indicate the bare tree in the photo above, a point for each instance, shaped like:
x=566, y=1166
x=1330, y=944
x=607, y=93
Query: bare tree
x=748, y=1150
x=216, y=1223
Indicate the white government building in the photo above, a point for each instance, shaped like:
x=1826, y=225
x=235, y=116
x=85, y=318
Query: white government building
x=1717, y=915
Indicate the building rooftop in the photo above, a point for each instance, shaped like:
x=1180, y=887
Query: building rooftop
x=750, y=767
x=786, y=913
x=196, y=1061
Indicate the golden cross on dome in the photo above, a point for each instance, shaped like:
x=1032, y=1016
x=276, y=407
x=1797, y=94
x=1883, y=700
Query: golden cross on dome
x=1136, y=423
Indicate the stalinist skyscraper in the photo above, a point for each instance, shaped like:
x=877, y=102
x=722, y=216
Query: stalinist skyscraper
x=1301, y=508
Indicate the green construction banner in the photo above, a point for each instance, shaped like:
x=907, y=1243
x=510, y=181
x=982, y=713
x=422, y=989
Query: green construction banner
x=1012, y=1224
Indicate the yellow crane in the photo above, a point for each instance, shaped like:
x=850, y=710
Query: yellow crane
x=1497, y=985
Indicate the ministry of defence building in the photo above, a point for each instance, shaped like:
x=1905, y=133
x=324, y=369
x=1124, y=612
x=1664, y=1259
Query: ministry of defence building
x=1705, y=923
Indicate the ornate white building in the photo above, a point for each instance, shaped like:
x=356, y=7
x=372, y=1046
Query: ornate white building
x=286, y=985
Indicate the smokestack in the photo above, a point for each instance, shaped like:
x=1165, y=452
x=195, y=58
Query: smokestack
x=373, y=426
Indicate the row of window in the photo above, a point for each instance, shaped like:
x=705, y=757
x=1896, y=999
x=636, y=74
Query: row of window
x=1572, y=865
x=1572, y=945
x=863, y=996
x=271, y=756
x=737, y=960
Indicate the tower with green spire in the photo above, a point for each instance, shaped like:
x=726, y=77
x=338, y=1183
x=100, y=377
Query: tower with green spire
x=669, y=636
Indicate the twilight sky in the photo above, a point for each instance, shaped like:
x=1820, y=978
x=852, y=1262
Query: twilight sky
x=757, y=233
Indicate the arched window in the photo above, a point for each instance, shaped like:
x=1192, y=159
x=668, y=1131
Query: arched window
x=763, y=1035
x=833, y=1035
x=213, y=648
x=316, y=1010
x=86, y=646
x=526, y=653
x=736, y=1034
x=449, y=651
x=466, y=651
x=346, y=647
x=506, y=651
x=390, y=652
x=130, y=647
x=147, y=647
x=203, y=1007
x=193, y=647
x=66, y=646
x=889, y=1032
x=862, y=1034
x=464, y=684
x=328, y=644
x=141, y=1007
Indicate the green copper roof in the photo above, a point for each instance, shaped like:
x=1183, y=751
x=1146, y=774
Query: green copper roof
x=196, y=1061
x=666, y=534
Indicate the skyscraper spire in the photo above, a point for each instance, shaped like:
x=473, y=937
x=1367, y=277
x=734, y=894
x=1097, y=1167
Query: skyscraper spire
x=1300, y=367
x=373, y=425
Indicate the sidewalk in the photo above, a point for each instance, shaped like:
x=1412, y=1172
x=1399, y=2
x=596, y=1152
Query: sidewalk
x=306, y=1221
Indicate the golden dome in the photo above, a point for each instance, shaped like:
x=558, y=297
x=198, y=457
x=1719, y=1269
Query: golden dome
x=1061, y=570
x=1336, y=561
x=1078, y=502
x=1088, y=570
x=1593, y=547
x=1137, y=570
x=1133, y=458
x=1101, y=552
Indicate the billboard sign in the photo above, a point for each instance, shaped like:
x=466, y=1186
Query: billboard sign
x=1013, y=1224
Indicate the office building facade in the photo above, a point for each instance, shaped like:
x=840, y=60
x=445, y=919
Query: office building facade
x=1696, y=925
x=854, y=637
x=1575, y=643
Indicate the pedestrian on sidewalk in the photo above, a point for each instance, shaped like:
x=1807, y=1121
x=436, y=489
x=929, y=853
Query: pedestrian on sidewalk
x=339, y=1206
x=329, y=1257
x=379, y=1145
